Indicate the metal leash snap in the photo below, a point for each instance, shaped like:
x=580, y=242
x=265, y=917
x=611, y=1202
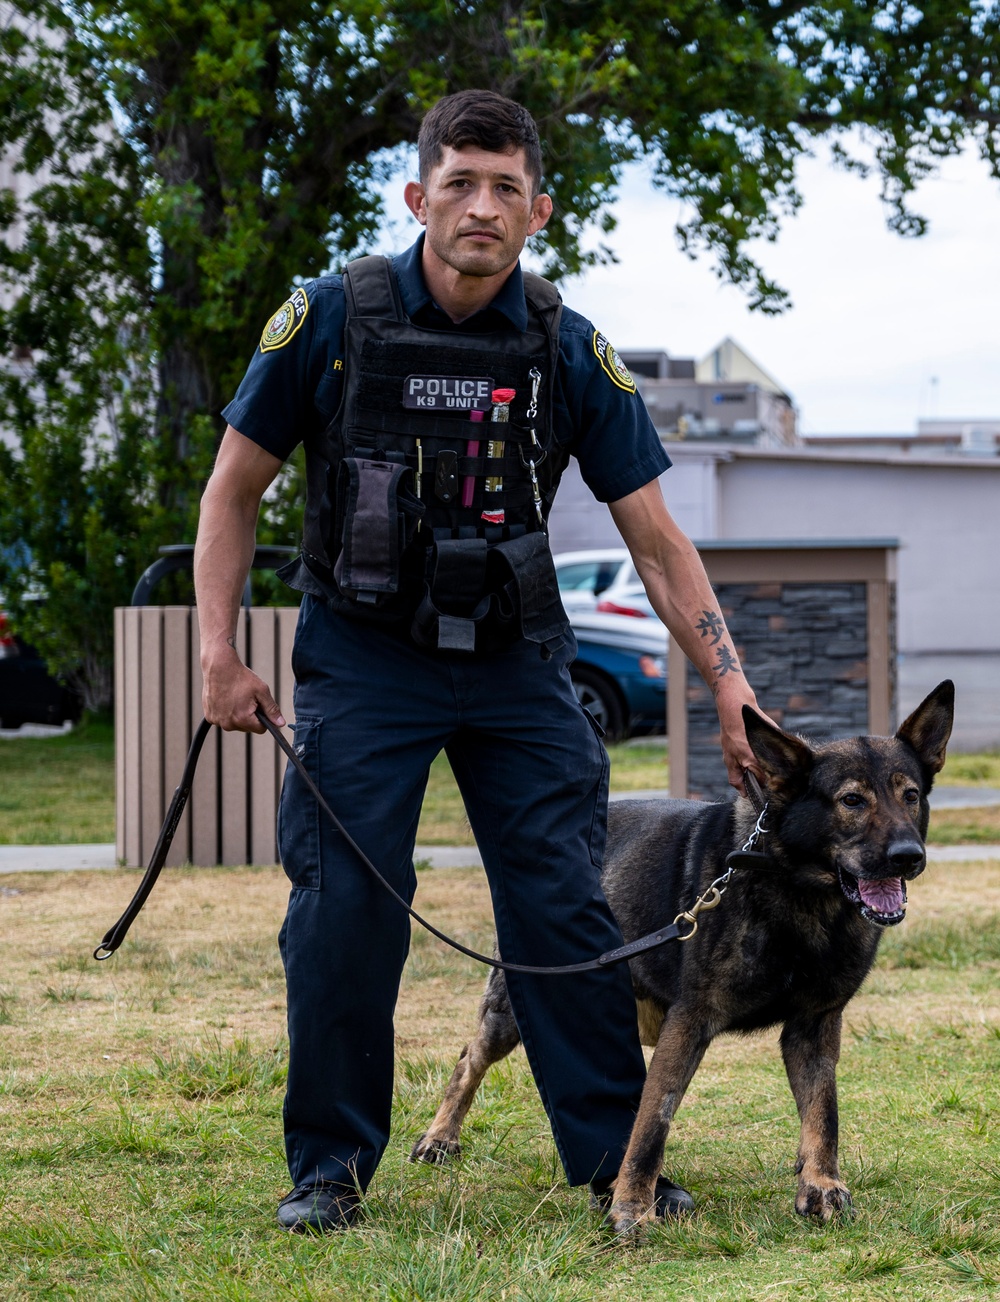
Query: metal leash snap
x=708, y=901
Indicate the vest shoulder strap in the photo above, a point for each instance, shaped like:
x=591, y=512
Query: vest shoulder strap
x=371, y=289
x=540, y=293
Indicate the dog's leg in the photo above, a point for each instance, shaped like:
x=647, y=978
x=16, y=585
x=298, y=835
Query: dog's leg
x=496, y=1035
x=811, y=1048
x=681, y=1046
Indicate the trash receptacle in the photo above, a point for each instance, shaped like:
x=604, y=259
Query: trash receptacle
x=230, y=817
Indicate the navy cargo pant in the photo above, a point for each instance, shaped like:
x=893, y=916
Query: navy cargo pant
x=371, y=714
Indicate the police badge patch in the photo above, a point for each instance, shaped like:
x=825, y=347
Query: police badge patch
x=285, y=322
x=612, y=364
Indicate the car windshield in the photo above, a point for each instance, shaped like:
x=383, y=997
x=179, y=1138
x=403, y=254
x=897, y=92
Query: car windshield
x=587, y=576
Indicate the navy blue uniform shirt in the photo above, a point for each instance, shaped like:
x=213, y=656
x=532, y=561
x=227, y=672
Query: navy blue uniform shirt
x=293, y=385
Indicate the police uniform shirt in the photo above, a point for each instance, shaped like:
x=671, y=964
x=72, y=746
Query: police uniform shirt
x=293, y=385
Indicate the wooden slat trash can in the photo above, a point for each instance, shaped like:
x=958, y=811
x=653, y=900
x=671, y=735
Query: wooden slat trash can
x=230, y=817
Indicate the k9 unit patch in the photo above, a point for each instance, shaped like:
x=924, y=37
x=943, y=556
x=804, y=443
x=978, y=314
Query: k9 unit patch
x=612, y=364
x=448, y=392
x=285, y=322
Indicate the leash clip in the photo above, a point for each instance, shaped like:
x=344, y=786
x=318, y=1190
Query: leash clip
x=709, y=900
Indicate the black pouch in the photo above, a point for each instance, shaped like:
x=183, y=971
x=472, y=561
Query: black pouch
x=380, y=514
x=483, y=597
x=525, y=566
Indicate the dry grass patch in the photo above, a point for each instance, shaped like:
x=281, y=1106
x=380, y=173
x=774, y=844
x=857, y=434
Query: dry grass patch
x=141, y=1107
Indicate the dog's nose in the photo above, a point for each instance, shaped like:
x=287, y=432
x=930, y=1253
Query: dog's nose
x=906, y=858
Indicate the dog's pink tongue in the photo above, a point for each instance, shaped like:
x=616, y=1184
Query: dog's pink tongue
x=884, y=896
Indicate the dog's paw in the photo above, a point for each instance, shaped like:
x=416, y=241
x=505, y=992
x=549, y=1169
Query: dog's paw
x=823, y=1198
x=628, y=1217
x=435, y=1151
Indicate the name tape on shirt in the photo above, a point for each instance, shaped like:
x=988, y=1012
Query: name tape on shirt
x=448, y=392
x=612, y=364
x=285, y=322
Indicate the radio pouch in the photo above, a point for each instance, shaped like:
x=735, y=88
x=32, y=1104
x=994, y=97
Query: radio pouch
x=380, y=513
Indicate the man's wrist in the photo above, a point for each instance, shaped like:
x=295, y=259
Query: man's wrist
x=733, y=691
x=219, y=653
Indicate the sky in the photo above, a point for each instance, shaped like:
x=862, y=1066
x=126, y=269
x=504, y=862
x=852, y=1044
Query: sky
x=883, y=330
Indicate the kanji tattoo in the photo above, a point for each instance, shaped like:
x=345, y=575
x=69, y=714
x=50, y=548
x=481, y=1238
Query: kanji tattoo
x=711, y=625
x=728, y=664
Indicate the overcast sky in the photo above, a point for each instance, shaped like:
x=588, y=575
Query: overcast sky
x=883, y=330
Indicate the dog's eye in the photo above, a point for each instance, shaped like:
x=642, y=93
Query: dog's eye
x=852, y=800
x=911, y=795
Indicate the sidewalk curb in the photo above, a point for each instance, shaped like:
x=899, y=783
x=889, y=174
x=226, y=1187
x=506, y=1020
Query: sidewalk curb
x=90, y=858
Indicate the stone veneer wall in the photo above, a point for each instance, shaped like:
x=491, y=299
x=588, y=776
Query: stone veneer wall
x=804, y=647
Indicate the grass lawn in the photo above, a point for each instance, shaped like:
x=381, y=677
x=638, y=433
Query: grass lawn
x=60, y=791
x=140, y=1152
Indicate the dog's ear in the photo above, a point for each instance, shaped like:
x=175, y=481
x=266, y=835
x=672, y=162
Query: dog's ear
x=929, y=726
x=786, y=760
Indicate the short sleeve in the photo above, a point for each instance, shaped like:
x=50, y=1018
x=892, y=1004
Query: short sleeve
x=600, y=415
x=293, y=384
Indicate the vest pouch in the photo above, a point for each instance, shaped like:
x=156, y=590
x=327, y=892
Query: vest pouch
x=380, y=513
x=523, y=567
x=483, y=597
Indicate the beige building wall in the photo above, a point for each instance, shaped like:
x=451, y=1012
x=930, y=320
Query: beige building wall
x=944, y=512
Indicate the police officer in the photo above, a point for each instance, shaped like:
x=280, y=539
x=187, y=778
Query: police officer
x=439, y=394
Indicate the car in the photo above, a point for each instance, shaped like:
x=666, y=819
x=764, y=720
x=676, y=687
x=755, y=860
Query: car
x=620, y=672
x=604, y=581
x=28, y=692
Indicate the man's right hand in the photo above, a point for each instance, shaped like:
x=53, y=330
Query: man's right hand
x=232, y=694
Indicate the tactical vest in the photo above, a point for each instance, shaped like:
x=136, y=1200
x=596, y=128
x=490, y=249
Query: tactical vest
x=415, y=519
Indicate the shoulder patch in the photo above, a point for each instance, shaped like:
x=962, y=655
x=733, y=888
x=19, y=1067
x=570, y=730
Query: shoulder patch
x=612, y=364
x=283, y=325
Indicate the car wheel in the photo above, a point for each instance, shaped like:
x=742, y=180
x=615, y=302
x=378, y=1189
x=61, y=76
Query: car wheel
x=597, y=694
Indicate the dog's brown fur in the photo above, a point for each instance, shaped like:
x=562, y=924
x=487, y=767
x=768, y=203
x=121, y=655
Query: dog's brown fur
x=790, y=944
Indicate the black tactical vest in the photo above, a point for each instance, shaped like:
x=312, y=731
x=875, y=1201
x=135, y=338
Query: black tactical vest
x=415, y=519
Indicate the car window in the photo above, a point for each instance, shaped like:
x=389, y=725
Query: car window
x=580, y=577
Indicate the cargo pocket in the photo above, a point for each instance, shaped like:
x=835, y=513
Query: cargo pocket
x=599, y=822
x=298, y=812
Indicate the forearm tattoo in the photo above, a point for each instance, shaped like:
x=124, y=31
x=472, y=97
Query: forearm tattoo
x=711, y=625
x=728, y=664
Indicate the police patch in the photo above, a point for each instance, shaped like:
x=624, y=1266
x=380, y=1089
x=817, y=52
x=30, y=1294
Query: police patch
x=285, y=322
x=448, y=392
x=612, y=364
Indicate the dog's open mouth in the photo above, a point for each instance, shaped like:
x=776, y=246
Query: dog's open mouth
x=882, y=902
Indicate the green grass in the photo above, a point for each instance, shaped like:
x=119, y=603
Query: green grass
x=966, y=826
x=981, y=770
x=59, y=790
x=140, y=1154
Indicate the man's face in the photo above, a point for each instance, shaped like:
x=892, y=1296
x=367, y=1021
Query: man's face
x=478, y=209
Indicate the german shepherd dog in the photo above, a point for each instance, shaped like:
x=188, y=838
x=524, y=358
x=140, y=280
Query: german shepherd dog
x=791, y=941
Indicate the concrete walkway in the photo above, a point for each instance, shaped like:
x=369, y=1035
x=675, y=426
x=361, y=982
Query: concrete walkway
x=69, y=858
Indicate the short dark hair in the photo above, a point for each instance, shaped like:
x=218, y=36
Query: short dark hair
x=482, y=118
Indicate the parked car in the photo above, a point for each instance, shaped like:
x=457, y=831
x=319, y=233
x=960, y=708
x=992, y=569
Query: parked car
x=620, y=673
x=604, y=581
x=28, y=692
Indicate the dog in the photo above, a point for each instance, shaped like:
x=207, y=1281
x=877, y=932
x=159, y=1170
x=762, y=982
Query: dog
x=790, y=943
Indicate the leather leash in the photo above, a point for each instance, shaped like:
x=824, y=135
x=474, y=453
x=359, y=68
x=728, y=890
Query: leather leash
x=116, y=934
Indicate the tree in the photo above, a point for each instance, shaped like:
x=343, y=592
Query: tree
x=202, y=154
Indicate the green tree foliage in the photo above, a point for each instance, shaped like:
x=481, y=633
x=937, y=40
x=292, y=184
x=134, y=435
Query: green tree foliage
x=194, y=157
